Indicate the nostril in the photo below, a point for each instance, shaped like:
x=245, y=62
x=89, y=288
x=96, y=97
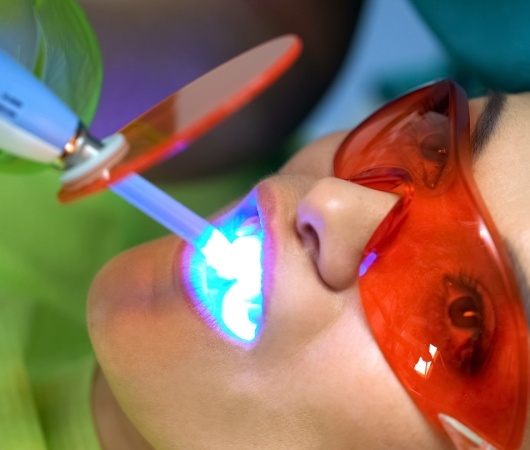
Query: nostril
x=335, y=221
x=309, y=237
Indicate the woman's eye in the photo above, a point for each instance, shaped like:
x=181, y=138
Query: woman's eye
x=433, y=148
x=469, y=325
x=430, y=134
x=466, y=313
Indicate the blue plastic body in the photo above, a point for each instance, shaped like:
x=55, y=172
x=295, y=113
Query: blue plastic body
x=29, y=104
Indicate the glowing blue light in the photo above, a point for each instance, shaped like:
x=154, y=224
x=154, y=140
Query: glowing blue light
x=226, y=276
x=367, y=262
x=225, y=267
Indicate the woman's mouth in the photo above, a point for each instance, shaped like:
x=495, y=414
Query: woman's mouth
x=225, y=282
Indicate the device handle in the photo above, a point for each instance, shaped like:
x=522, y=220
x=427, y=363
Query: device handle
x=34, y=123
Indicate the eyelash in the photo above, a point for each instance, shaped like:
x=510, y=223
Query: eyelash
x=469, y=281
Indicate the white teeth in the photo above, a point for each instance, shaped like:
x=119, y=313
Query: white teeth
x=245, y=294
x=247, y=252
x=250, y=226
x=234, y=278
x=235, y=312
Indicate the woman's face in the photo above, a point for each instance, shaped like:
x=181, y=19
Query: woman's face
x=315, y=377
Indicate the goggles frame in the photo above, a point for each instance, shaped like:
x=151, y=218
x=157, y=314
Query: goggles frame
x=436, y=283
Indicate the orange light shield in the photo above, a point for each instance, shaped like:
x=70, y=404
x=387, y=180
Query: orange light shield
x=436, y=283
x=170, y=126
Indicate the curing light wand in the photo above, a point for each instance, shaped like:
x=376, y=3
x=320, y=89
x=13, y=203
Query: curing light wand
x=173, y=215
x=225, y=271
x=227, y=276
x=36, y=125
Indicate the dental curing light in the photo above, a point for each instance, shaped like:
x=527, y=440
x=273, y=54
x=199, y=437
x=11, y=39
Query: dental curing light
x=36, y=125
x=226, y=278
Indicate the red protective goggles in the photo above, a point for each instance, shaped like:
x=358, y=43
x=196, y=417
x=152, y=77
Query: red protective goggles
x=436, y=283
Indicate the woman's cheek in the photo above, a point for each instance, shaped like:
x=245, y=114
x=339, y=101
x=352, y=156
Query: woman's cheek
x=138, y=319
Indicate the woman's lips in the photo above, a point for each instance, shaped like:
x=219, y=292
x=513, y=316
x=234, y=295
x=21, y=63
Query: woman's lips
x=232, y=305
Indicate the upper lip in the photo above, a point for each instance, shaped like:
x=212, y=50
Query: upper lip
x=267, y=206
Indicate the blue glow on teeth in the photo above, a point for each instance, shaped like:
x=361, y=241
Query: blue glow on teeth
x=226, y=277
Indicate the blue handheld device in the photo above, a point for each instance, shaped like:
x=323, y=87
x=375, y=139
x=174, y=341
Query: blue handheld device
x=26, y=104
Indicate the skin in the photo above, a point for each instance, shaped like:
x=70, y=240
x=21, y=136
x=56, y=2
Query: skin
x=315, y=378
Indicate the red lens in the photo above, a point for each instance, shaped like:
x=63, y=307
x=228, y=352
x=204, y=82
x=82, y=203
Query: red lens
x=436, y=284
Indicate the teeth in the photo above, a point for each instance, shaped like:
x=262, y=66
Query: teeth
x=232, y=291
x=239, y=314
x=250, y=226
x=242, y=304
x=246, y=257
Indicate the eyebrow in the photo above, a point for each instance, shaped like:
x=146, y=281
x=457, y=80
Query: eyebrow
x=487, y=122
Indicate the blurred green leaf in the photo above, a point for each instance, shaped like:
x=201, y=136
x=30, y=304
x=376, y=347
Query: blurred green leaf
x=53, y=39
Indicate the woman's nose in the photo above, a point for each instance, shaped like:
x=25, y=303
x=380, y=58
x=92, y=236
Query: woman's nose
x=335, y=220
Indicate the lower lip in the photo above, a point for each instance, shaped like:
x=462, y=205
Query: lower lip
x=231, y=305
